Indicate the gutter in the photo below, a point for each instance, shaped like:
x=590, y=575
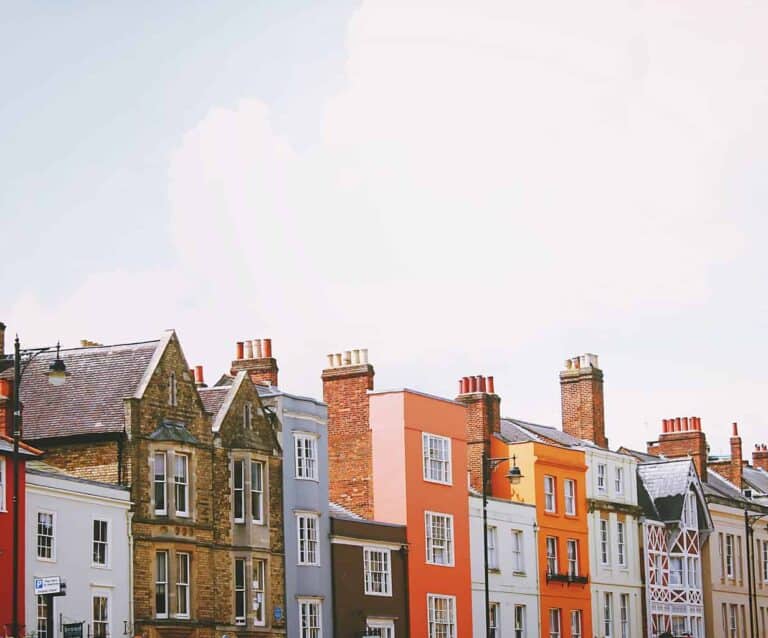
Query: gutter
x=129, y=517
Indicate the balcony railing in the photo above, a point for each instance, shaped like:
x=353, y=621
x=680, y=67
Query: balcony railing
x=567, y=578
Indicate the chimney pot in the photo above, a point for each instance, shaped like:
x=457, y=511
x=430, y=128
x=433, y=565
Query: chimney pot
x=249, y=349
x=199, y=379
x=491, y=389
x=356, y=357
x=337, y=358
x=473, y=384
x=482, y=384
x=364, y=356
x=239, y=351
x=568, y=364
x=685, y=423
x=347, y=357
x=465, y=385
x=678, y=424
x=576, y=363
x=664, y=426
x=764, y=447
x=330, y=360
x=257, y=352
x=735, y=429
x=267, y=348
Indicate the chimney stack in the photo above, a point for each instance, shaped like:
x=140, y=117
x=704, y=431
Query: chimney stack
x=482, y=418
x=346, y=382
x=2, y=339
x=581, y=395
x=736, y=466
x=199, y=378
x=760, y=456
x=6, y=413
x=681, y=437
x=255, y=357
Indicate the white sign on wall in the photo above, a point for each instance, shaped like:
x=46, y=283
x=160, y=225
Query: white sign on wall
x=47, y=585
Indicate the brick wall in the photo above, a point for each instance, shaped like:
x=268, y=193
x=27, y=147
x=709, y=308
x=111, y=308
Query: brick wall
x=582, y=403
x=680, y=438
x=96, y=461
x=760, y=456
x=350, y=445
x=483, y=417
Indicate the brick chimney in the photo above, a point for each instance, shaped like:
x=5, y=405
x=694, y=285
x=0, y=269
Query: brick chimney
x=681, y=437
x=760, y=456
x=737, y=464
x=199, y=376
x=255, y=357
x=483, y=418
x=581, y=397
x=2, y=339
x=346, y=382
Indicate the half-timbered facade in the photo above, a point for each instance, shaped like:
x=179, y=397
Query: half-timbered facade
x=676, y=525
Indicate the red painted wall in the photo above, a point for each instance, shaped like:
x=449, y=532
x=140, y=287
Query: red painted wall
x=6, y=550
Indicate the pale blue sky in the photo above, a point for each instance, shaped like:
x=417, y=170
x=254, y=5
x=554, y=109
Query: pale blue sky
x=463, y=187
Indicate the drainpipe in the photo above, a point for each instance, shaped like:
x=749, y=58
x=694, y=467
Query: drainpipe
x=129, y=518
x=404, y=551
x=538, y=576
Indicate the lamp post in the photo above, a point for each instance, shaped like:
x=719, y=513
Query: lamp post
x=514, y=475
x=57, y=375
x=749, y=524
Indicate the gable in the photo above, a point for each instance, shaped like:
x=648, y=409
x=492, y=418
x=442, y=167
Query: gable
x=230, y=424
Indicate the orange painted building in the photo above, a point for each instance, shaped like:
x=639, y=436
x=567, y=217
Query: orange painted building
x=554, y=480
x=401, y=457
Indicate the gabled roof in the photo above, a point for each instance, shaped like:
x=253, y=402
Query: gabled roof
x=91, y=401
x=229, y=393
x=718, y=485
x=213, y=398
x=550, y=433
x=643, y=457
x=756, y=478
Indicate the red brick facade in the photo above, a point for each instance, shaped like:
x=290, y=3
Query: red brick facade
x=483, y=418
x=581, y=393
x=683, y=437
x=760, y=456
x=350, y=445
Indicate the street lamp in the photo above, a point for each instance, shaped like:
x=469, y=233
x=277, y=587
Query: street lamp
x=513, y=476
x=57, y=376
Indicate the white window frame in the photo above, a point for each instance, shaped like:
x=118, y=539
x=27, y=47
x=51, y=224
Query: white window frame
x=518, y=620
x=570, y=499
x=429, y=517
x=38, y=536
x=493, y=543
x=305, y=464
x=107, y=543
x=550, y=497
x=435, y=469
x=308, y=538
x=624, y=615
x=181, y=486
x=555, y=623
x=602, y=475
x=494, y=618
x=678, y=583
x=577, y=624
x=573, y=561
x=41, y=611
x=621, y=543
x=551, y=557
x=3, y=485
x=306, y=628
x=605, y=544
x=371, y=584
x=173, y=390
x=518, y=553
x=259, y=591
x=619, y=480
x=433, y=621
x=383, y=627
x=165, y=583
x=108, y=608
x=238, y=490
x=240, y=586
x=257, y=491
x=183, y=586
x=730, y=564
x=765, y=561
x=162, y=511
x=607, y=614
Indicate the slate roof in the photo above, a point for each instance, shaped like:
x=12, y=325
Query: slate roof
x=511, y=432
x=644, y=457
x=170, y=431
x=718, y=485
x=213, y=398
x=337, y=511
x=91, y=401
x=756, y=478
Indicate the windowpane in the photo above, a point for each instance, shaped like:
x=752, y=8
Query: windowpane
x=620, y=543
x=307, y=539
x=100, y=617
x=257, y=492
x=306, y=456
x=624, y=615
x=576, y=630
x=100, y=542
x=519, y=621
x=45, y=535
x=42, y=617
x=601, y=471
x=240, y=591
x=181, y=482
x=437, y=458
x=439, y=529
x=494, y=616
x=604, y=556
x=518, y=563
x=259, y=589
x=377, y=571
x=551, y=555
x=573, y=558
x=607, y=615
x=238, y=486
x=182, y=585
x=554, y=623
x=309, y=618
x=159, y=480
x=493, y=556
x=442, y=616
x=619, y=480
x=161, y=584
x=549, y=493
x=570, y=497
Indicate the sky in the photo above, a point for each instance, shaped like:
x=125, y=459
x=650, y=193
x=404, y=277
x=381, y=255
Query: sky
x=462, y=187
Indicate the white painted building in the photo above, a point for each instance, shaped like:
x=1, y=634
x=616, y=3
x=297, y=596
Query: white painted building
x=513, y=567
x=614, y=554
x=78, y=530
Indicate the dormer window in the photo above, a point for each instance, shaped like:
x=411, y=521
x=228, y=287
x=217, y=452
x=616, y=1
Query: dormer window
x=172, y=390
x=247, y=415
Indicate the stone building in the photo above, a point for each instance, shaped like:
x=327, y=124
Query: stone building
x=131, y=414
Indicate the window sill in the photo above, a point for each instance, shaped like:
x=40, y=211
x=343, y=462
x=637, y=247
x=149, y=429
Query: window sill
x=441, y=564
x=494, y=570
x=46, y=560
x=436, y=482
x=306, y=478
x=371, y=593
x=520, y=574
